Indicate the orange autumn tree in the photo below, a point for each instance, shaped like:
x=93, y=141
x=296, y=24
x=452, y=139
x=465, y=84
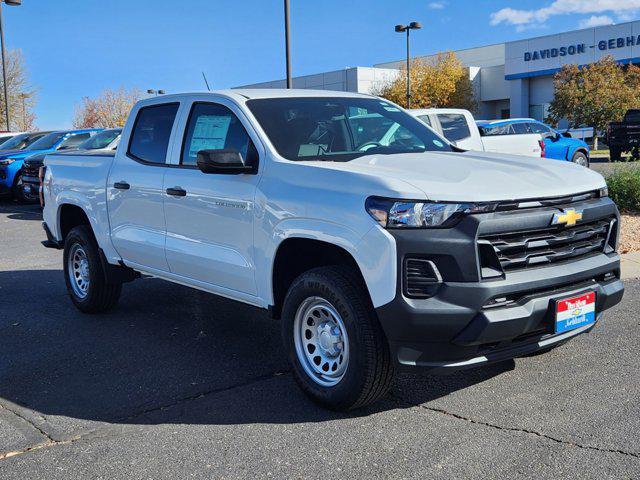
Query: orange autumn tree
x=110, y=109
x=595, y=95
x=443, y=83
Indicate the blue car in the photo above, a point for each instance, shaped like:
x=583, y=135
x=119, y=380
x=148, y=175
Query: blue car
x=559, y=146
x=11, y=161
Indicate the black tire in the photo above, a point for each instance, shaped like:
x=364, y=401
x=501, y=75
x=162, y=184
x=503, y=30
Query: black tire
x=100, y=296
x=581, y=159
x=615, y=154
x=370, y=370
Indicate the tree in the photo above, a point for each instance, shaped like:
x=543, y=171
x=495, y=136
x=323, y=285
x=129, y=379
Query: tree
x=110, y=109
x=595, y=95
x=442, y=83
x=22, y=96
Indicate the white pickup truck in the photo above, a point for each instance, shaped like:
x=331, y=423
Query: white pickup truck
x=379, y=252
x=459, y=127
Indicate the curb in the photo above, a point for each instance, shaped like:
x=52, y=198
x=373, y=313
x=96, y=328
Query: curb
x=630, y=265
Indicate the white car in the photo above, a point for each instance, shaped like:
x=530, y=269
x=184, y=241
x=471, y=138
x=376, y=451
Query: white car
x=377, y=244
x=459, y=127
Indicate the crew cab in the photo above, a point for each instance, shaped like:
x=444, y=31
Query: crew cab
x=377, y=253
x=11, y=161
x=459, y=127
x=624, y=136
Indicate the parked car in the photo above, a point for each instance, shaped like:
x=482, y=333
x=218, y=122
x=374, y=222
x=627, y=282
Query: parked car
x=405, y=255
x=558, y=146
x=458, y=126
x=21, y=141
x=624, y=136
x=4, y=136
x=11, y=160
x=31, y=175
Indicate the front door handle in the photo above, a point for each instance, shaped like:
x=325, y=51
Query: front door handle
x=176, y=192
x=122, y=186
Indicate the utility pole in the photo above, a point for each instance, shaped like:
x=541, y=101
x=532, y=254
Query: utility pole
x=287, y=39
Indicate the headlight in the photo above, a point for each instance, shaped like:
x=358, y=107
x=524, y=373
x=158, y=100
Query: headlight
x=603, y=192
x=408, y=214
x=7, y=161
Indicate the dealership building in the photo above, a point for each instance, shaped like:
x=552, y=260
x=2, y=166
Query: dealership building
x=513, y=79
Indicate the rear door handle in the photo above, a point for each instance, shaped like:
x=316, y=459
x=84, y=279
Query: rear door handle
x=176, y=192
x=122, y=186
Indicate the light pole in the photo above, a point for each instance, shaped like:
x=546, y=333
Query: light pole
x=287, y=40
x=155, y=92
x=408, y=28
x=4, y=60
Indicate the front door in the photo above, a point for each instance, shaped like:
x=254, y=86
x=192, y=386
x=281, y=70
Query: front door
x=134, y=189
x=210, y=216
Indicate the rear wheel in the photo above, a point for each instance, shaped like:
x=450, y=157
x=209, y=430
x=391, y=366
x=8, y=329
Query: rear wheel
x=84, y=273
x=336, y=346
x=580, y=158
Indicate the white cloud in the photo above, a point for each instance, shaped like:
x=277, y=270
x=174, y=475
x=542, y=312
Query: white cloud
x=628, y=16
x=512, y=16
x=436, y=5
x=596, y=21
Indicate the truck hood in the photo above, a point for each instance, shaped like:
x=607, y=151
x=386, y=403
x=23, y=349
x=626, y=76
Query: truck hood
x=477, y=176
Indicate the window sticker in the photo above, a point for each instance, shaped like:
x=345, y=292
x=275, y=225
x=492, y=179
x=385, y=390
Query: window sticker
x=438, y=143
x=210, y=133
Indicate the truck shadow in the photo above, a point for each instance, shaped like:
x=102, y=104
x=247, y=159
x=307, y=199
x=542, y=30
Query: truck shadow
x=18, y=211
x=166, y=354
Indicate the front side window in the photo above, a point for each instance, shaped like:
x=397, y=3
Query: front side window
x=341, y=128
x=100, y=140
x=454, y=126
x=214, y=127
x=73, y=141
x=150, y=136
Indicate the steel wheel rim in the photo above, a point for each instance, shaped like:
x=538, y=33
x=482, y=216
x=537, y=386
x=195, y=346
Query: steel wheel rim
x=321, y=341
x=78, y=267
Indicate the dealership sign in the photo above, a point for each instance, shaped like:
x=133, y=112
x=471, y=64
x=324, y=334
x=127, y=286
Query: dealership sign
x=577, y=49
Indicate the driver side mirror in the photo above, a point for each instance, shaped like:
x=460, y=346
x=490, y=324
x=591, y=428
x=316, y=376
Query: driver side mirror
x=222, y=161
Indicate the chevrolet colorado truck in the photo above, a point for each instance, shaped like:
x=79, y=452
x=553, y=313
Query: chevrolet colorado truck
x=377, y=251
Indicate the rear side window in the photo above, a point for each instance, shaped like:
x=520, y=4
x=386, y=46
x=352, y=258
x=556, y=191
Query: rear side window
x=213, y=127
x=497, y=130
x=151, y=132
x=521, y=128
x=454, y=126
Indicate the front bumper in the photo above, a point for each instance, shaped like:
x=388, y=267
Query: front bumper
x=461, y=325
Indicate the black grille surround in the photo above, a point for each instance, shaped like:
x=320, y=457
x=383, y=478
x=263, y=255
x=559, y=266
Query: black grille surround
x=533, y=248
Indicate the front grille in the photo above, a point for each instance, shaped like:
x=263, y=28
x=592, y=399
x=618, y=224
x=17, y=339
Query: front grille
x=534, y=248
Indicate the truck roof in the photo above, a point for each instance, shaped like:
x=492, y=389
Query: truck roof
x=252, y=93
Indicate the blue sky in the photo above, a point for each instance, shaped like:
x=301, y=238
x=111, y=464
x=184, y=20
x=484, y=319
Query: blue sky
x=77, y=48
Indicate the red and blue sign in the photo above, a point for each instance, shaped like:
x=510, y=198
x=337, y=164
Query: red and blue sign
x=575, y=312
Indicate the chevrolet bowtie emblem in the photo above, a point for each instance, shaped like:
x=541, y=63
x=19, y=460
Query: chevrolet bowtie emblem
x=568, y=218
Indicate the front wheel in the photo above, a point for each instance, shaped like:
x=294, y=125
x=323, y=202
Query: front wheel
x=84, y=273
x=615, y=154
x=580, y=158
x=338, y=351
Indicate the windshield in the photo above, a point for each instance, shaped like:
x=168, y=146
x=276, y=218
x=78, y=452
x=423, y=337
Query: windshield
x=101, y=140
x=14, y=143
x=341, y=128
x=47, y=142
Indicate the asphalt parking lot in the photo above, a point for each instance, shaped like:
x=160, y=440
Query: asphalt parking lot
x=176, y=383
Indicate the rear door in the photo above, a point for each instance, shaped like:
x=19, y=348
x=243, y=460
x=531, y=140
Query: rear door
x=134, y=188
x=210, y=216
